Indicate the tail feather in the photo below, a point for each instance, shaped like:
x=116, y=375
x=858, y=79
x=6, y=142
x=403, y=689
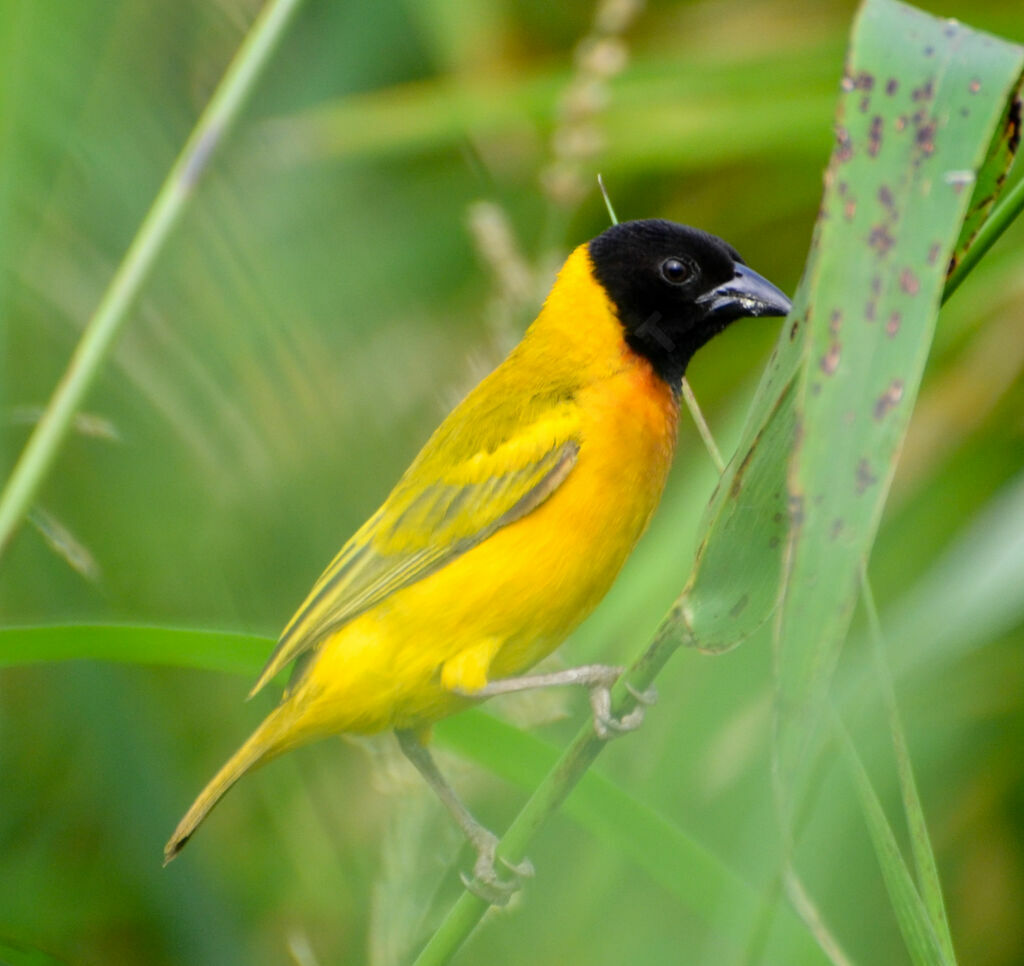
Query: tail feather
x=264, y=743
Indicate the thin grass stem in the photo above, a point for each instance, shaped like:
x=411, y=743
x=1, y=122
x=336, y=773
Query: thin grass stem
x=702, y=426
x=217, y=118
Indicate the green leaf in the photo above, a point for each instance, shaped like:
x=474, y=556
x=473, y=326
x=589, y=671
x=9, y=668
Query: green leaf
x=203, y=649
x=911, y=914
x=922, y=101
x=920, y=842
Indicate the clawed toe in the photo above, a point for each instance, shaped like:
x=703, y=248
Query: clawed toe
x=521, y=870
x=606, y=725
x=486, y=884
x=646, y=698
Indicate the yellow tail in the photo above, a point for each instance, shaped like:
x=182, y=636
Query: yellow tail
x=264, y=743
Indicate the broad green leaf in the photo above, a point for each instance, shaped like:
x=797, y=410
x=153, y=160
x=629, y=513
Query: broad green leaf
x=922, y=99
x=921, y=103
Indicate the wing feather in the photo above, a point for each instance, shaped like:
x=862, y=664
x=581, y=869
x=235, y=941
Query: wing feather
x=441, y=508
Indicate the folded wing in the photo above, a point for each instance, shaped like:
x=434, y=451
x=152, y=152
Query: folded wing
x=445, y=504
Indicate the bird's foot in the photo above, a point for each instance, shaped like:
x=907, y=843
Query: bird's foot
x=607, y=725
x=485, y=882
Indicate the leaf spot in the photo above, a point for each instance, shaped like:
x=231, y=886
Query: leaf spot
x=875, y=136
x=739, y=606
x=926, y=138
x=889, y=399
x=865, y=476
x=844, y=146
x=925, y=92
x=830, y=361
x=881, y=239
x=909, y=282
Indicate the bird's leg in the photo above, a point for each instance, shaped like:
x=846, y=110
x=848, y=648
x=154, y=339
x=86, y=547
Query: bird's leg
x=597, y=678
x=486, y=883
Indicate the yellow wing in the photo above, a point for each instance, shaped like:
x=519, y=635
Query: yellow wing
x=445, y=504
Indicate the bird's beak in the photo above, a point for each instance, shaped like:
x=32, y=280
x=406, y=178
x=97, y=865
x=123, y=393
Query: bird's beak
x=746, y=294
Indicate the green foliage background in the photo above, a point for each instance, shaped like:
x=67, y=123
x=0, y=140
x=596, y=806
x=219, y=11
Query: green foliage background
x=315, y=314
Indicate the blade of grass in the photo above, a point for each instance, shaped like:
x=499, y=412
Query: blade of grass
x=178, y=647
x=800, y=899
x=914, y=923
x=921, y=847
x=702, y=426
x=102, y=329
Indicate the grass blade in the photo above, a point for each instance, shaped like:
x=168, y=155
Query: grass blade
x=102, y=329
x=178, y=647
x=920, y=842
x=910, y=911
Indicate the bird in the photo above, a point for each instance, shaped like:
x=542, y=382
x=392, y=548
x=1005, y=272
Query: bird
x=512, y=522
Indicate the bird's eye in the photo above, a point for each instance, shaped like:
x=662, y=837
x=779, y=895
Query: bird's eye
x=676, y=271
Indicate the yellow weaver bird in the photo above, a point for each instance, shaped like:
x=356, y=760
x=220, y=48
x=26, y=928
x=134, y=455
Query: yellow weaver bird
x=515, y=518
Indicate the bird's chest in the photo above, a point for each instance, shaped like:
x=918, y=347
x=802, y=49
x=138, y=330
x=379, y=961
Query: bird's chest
x=576, y=542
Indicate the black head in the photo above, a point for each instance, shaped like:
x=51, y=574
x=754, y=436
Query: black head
x=675, y=287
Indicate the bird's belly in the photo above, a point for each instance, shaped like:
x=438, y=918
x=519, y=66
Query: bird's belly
x=520, y=592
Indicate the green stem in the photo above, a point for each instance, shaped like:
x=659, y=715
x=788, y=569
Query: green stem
x=216, y=120
x=566, y=773
x=1000, y=219
x=702, y=426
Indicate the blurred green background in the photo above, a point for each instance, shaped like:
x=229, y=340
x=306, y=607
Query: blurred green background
x=374, y=236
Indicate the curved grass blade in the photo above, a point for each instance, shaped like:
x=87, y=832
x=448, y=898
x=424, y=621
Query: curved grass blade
x=924, y=858
x=918, y=934
x=103, y=327
x=135, y=644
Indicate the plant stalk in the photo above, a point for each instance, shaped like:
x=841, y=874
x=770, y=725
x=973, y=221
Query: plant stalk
x=217, y=118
